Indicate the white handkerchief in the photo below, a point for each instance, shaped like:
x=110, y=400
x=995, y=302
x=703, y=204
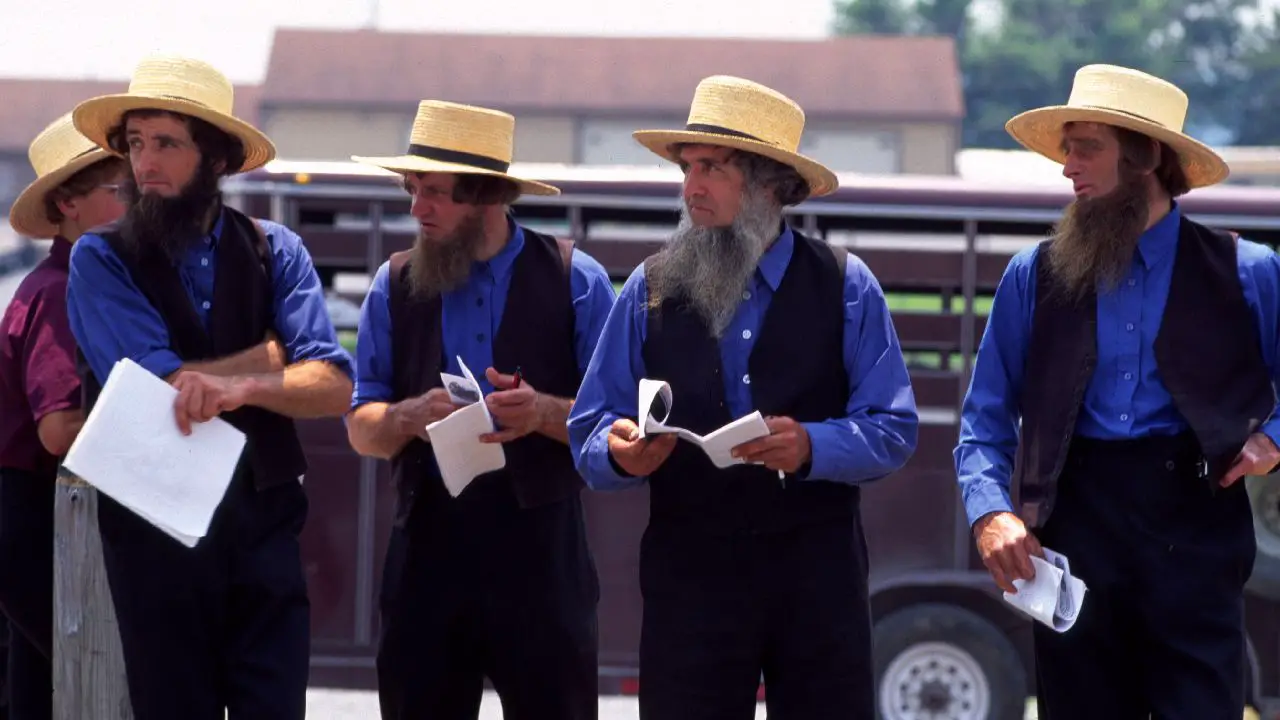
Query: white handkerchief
x=131, y=449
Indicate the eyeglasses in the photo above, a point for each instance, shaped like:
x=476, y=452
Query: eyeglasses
x=116, y=188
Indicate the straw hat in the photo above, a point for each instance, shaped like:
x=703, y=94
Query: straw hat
x=57, y=153
x=736, y=113
x=180, y=85
x=1129, y=99
x=452, y=138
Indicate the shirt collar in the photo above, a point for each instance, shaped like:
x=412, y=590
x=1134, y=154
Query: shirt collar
x=1159, y=240
x=500, y=265
x=60, y=252
x=773, y=264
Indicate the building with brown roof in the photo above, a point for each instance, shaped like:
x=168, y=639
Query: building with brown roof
x=873, y=104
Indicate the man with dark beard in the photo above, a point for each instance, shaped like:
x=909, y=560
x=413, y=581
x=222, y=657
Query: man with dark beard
x=760, y=568
x=198, y=293
x=1138, y=349
x=40, y=411
x=497, y=581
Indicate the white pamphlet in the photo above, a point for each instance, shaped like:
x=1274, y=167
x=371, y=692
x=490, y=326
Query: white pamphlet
x=1054, y=597
x=718, y=444
x=455, y=440
x=130, y=448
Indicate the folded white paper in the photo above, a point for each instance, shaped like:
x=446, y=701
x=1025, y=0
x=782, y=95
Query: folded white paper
x=455, y=440
x=718, y=444
x=130, y=448
x=1054, y=597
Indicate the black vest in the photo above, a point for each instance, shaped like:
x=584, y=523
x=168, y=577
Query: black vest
x=241, y=315
x=797, y=370
x=1207, y=350
x=536, y=334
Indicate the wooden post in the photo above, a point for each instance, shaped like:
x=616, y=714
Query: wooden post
x=88, y=666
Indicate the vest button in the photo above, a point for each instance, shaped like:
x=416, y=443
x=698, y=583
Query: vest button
x=1168, y=465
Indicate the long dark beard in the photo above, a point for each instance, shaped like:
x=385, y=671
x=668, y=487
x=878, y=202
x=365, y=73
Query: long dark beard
x=1093, y=245
x=710, y=267
x=439, y=266
x=169, y=225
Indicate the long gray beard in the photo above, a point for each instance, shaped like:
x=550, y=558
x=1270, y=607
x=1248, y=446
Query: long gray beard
x=709, y=268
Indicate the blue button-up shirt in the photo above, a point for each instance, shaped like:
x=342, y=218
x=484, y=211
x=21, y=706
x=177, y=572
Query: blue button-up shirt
x=111, y=318
x=471, y=315
x=1125, y=397
x=875, y=437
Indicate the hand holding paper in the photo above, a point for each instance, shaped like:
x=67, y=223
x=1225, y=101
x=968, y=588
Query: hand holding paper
x=514, y=405
x=131, y=449
x=718, y=444
x=1054, y=596
x=460, y=454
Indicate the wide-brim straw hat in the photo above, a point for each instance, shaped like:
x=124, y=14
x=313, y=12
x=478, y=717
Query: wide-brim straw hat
x=736, y=113
x=1125, y=98
x=452, y=138
x=57, y=154
x=179, y=85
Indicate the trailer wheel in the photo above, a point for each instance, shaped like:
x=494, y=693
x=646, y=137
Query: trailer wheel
x=942, y=661
x=1264, y=499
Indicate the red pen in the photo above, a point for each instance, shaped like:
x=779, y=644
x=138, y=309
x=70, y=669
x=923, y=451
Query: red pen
x=516, y=384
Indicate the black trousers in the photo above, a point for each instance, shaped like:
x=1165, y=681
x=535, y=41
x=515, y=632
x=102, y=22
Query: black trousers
x=476, y=587
x=720, y=611
x=1165, y=558
x=221, y=627
x=26, y=589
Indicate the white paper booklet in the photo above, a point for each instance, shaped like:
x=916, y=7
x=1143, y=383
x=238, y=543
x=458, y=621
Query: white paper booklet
x=717, y=444
x=1054, y=597
x=455, y=440
x=130, y=448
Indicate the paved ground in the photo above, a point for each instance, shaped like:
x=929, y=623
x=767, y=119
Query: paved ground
x=356, y=705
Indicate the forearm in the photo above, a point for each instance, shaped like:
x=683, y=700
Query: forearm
x=555, y=417
x=263, y=358
x=371, y=430
x=310, y=389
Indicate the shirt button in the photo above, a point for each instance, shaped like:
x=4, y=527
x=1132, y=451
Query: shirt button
x=746, y=379
x=1129, y=327
x=1132, y=282
x=205, y=304
x=1128, y=376
x=746, y=334
x=1124, y=417
x=746, y=295
x=204, y=262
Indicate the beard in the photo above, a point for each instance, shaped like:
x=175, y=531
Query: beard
x=169, y=225
x=438, y=266
x=1093, y=245
x=709, y=268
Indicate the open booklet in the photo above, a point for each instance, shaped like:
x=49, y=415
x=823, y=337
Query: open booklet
x=718, y=444
x=455, y=440
x=130, y=449
x=1054, y=597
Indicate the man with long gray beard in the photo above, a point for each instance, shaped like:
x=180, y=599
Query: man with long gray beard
x=1139, y=350
x=759, y=568
x=231, y=312
x=496, y=580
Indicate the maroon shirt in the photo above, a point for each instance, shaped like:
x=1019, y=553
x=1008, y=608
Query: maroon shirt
x=37, y=362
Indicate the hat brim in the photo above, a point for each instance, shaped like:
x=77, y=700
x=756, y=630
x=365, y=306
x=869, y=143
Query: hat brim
x=94, y=118
x=821, y=180
x=27, y=214
x=402, y=164
x=1040, y=130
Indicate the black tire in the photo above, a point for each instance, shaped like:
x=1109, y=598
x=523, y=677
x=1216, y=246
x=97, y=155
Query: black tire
x=933, y=658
